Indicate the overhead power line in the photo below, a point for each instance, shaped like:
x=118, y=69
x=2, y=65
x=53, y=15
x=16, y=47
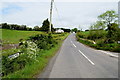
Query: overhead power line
x=59, y=18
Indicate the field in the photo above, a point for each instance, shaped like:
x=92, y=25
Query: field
x=13, y=36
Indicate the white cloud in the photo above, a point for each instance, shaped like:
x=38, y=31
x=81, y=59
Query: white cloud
x=32, y=14
x=71, y=14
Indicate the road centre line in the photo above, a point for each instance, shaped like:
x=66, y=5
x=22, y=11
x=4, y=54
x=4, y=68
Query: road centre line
x=87, y=58
x=73, y=44
x=83, y=54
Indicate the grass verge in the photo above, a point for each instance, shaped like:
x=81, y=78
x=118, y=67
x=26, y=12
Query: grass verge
x=34, y=68
x=107, y=47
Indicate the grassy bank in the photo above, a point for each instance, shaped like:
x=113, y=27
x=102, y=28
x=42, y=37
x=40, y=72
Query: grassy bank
x=98, y=43
x=35, y=67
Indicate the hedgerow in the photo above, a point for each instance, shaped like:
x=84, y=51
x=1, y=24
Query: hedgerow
x=28, y=52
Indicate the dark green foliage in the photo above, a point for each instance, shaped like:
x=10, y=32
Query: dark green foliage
x=66, y=30
x=36, y=28
x=15, y=27
x=46, y=25
x=118, y=34
x=85, y=42
x=81, y=35
x=43, y=41
x=5, y=26
x=12, y=65
x=116, y=48
x=74, y=30
x=96, y=34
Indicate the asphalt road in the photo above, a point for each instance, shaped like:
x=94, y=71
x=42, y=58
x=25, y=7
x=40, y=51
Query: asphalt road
x=76, y=60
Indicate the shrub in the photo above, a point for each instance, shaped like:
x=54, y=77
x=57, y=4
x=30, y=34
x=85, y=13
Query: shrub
x=43, y=41
x=97, y=34
x=116, y=48
x=28, y=55
x=100, y=42
x=81, y=35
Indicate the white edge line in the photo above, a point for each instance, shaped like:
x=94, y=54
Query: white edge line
x=87, y=58
x=109, y=54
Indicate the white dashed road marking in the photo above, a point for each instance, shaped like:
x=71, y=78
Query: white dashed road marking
x=87, y=58
x=83, y=54
x=73, y=44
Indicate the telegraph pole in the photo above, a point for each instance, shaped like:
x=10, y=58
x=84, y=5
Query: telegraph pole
x=51, y=15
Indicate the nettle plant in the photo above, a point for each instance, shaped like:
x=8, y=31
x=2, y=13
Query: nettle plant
x=30, y=48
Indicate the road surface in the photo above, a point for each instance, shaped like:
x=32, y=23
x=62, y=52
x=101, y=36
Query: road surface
x=76, y=60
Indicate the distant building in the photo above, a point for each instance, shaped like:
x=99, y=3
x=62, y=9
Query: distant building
x=59, y=31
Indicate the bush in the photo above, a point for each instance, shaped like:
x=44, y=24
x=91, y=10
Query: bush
x=116, y=48
x=81, y=35
x=28, y=55
x=44, y=41
x=100, y=42
x=12, y=65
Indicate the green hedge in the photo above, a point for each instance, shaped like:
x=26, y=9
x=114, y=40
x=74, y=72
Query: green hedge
x=109, y=47
x=29, y=50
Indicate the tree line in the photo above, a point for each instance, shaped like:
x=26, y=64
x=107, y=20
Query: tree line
x=45, y=27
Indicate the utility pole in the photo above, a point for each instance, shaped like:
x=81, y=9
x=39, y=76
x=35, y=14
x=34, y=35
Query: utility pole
x=51, y=15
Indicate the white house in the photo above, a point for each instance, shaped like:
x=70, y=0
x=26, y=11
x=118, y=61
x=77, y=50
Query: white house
x=59, y=31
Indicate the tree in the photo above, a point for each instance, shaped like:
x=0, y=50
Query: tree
x=66, y=30
x=114, y=31
x=74, y=30
x=109, y=18
x=29, y=29
x=36, y=28
x=5, y=26
x=98, y=25
x=22, y=27
x=46, y=26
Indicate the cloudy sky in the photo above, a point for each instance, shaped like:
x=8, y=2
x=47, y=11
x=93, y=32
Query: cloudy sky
x=66, y=13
